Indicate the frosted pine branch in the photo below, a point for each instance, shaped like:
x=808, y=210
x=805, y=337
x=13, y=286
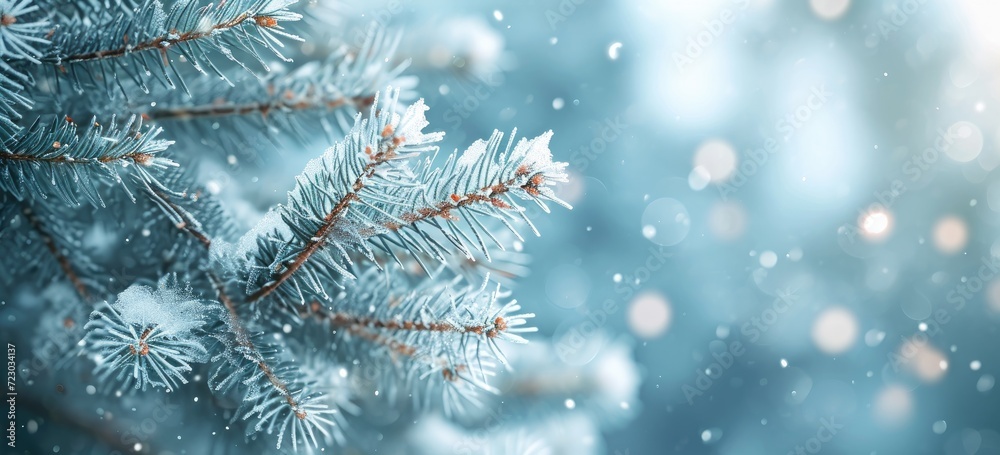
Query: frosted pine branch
x=142, y=43
x=67, y=267
x=274, y=395
x=526, y=173
x=439, y=335
x=317, y=96
x=328, y=205
x=22, y=28
x=269, y=396
x=61, y=161
x=370, y=286
x=363, y=193
x=22, y=25
x=49, y=239
x=147, y=337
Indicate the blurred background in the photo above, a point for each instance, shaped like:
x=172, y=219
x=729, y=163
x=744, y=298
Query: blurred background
x=785, y=222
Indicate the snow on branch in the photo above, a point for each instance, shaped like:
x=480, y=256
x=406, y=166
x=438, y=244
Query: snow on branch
x=306, y=242
x=482, y=182
x=275, y=394
x=148, y=337
x=372, y=191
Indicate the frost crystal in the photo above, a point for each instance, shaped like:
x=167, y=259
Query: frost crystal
x=535, y=152
x=473, y=154
x=172, y=310
x=411, y=127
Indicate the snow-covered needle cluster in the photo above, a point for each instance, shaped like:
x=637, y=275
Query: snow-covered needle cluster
x=372, y=279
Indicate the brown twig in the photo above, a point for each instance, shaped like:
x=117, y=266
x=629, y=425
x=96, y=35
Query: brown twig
x=366, y=328
x=485, y=195
x=143, y=345
x=221, y=109
x=450, y=373
x=243, y=339
x=235, y=324
x=188, y=223
x=138, y=158
x=394, y=345
x=164, y=42
x=340, y=319
x=64, y=263
x=334, y=216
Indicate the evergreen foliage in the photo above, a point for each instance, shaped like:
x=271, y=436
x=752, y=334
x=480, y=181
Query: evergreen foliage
x=378, y=265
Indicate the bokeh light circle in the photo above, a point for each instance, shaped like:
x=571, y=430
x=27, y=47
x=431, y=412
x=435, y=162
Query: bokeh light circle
x=829, y=9
x=964, y=141
x=649, y=315
x=727, y=220
x=666, y=222
x=717, y=158
x=893, y=405
x=835, y=330
x=950, y=235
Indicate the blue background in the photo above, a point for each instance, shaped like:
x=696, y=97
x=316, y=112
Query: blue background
x=876, y=206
